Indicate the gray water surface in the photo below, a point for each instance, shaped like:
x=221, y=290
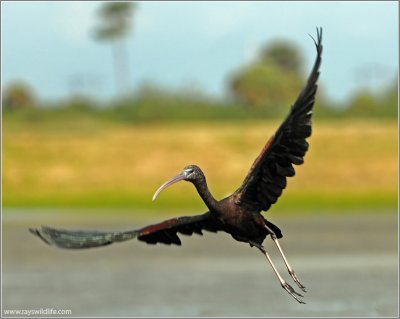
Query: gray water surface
x=348, y=263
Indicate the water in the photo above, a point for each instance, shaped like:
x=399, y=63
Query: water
x=348, y=263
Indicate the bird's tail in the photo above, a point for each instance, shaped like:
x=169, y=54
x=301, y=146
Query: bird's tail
x=72, y=239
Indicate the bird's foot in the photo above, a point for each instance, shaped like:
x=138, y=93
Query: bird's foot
x=296, y=280
x=292, y=292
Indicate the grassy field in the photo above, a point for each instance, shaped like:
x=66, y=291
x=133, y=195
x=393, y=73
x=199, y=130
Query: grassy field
x=350, y=165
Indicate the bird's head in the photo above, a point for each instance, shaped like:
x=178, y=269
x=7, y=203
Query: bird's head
x=190, y=173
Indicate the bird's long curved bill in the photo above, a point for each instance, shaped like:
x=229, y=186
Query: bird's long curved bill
x=169, y=182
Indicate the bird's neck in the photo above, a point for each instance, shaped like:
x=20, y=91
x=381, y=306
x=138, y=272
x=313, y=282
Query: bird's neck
x=205, y=194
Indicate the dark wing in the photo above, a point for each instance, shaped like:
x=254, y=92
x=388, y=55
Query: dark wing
x=164, y=232
x=267, y=177
x=77, y=239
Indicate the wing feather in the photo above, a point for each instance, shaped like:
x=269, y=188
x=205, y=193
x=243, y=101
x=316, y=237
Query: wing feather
x=267, y=177
x=165, y=232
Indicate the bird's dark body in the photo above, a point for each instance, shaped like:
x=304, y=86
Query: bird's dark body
x=240, y=221
x=238, y=214
x=243, y=225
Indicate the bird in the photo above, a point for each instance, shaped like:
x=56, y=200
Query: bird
x=239, y=214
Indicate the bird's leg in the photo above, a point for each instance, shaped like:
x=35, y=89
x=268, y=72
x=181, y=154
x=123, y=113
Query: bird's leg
x=290, y=269
x=284, y=284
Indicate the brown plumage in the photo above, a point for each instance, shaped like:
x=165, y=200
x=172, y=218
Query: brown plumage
x=238, y=214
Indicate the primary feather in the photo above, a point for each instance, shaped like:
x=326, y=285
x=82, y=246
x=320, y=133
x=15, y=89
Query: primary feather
x=165, y=232
x=267, y=177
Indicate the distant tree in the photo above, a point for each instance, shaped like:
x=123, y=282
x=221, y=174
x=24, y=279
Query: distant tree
x=114, y=25
x=390, y=99
x=384, y=103
x=363, y=103
x=18, y=95
x=283, y=54
x=271, y=82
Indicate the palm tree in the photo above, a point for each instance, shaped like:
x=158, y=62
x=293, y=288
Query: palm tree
x=114, y=25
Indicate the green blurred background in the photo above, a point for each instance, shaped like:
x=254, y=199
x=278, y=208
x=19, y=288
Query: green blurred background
x=104, y=101
x=81, y=150
x=85, y=152
x=70, y=159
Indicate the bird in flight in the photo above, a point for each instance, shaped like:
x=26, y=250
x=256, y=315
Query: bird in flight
x=238, y=214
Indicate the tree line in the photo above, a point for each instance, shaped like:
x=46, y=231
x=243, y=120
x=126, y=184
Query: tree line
x=263, y=88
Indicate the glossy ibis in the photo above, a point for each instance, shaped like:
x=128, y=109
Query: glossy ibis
x=238, y=214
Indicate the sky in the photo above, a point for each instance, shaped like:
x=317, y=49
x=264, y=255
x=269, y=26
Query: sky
x=195, y=45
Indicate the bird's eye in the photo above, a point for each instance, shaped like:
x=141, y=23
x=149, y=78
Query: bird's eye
x=188, y=171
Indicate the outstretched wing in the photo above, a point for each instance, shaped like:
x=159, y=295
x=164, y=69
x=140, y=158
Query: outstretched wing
x=164, y=232
x=77, y=239
x=267, y=177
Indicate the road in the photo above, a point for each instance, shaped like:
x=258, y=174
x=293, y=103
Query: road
x=347, y=261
